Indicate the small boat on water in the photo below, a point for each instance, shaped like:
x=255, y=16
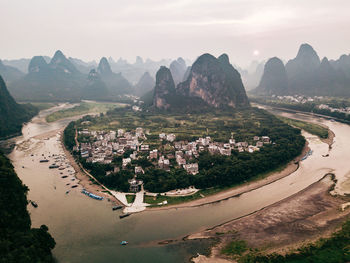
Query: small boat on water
x=64, y=176
x=124, y=215
x=123, y=243
x=53, y=166
x=67, y=192
x=61, y=168
x=117, y=207
x=74, y=186
x=34, y=204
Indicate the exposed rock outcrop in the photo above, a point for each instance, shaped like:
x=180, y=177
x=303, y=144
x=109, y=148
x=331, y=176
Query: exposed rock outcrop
x=216, y=82
x=164, y=89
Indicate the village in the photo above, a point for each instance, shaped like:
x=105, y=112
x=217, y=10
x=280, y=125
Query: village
x=103, y=146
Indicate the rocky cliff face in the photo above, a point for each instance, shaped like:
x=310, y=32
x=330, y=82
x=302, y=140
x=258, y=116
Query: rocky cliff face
x=216, y=82
x=274, y=79
x=164, y=89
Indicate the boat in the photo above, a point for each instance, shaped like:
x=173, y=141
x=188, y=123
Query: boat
x=34, y=204
x=67, y=192
x=61, y=168
x=74, y=186
x=53, y=166
x=124, y=215
x=64, y=176
x=117, y=207
x=123, y=243
x=92, y=195
x=68, y=184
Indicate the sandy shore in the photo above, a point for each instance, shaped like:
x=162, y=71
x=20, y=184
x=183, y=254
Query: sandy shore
x=85, y=180
x=297, y=220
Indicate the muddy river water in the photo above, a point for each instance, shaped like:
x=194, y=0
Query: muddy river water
x=87, y=230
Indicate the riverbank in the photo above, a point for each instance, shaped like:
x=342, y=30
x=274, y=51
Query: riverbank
x=304, y=217
x=85, y=181
x=256, y=183
x=286, y=225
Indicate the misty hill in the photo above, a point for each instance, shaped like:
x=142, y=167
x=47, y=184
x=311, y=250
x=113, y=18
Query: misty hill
x=212, y=82
x=9, y=73
x=55, y=81
x=115, y=82
x=134, y=71
x=95, y=88
x=178, y=69
x=22, y=63
x=12, y=114
x=82, y=66
x=252, y=75
x=145, y=84
x=307, y=75
x=274, y=79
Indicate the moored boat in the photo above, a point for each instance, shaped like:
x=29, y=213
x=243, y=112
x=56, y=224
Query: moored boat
x=117, y=207
x=124, y=215
x=123, y=243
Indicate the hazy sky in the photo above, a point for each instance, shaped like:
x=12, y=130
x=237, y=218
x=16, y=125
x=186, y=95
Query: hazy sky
x=244, y=29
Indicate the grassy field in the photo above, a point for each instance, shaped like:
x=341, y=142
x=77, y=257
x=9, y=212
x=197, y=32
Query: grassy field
x=153, y=201
x=130, y=198
x=82, y=108
x=43, y=105
x=312, y=128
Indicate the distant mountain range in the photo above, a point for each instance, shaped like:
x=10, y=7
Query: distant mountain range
x=211, y=83
x=306, y=74
x=12, y=114
x=70, y=79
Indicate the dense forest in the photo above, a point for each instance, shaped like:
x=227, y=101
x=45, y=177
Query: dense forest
x=330, y=250
x=18, y=241
x=12, y=114
x=214, y=170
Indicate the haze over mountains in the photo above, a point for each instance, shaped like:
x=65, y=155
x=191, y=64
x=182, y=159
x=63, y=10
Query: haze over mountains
x=306, y=74
x=71, y=79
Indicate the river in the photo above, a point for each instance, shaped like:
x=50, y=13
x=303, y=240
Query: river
x=87, y=230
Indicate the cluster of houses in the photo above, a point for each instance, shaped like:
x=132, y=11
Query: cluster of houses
x=297, y=98
x=104, y=145
x=345, y=110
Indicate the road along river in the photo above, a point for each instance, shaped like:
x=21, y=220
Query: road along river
x=87, y=230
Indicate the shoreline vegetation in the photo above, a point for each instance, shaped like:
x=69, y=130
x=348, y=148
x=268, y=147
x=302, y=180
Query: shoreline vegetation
x=84, y=107
x=18, y=241
x=309, y=107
